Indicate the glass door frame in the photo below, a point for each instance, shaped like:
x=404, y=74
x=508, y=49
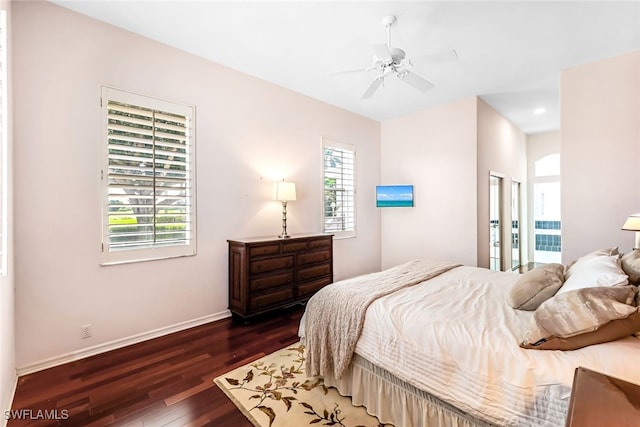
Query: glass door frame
x=516, y=215
x=496, y=229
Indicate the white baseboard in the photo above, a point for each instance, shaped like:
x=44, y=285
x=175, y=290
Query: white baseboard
x=119, y=343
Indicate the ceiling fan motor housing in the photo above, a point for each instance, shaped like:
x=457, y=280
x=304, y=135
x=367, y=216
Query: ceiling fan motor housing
x=397, y=56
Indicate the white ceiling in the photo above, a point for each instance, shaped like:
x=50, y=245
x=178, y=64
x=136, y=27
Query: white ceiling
x=509, y=53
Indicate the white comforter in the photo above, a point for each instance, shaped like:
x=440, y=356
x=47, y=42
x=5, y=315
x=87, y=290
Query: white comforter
x=456, y=337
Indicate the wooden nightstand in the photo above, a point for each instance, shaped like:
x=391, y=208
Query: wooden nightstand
x=599, y=400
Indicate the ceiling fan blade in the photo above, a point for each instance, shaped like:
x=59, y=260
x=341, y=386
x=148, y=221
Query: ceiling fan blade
x=416, y=81
x=373, y=87
x=356, y=70
x=439, y=57
x=381, y=51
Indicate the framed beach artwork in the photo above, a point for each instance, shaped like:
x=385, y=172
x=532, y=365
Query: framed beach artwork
x=393, y=196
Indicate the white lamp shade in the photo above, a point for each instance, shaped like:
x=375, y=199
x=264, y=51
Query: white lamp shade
x=285, y=191
x=632, y=223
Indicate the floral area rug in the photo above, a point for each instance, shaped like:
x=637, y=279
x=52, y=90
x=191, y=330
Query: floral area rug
x=274, y=391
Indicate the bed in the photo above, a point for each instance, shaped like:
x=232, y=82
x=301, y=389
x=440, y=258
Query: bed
x=445, y=348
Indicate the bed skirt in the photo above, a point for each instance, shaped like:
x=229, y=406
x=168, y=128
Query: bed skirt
x=396, y=402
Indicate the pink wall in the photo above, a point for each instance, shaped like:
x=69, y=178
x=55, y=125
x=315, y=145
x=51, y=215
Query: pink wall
x=501, y=149
x=436, y=151
x=600, y=154
x=447, y=153
x=249, y=133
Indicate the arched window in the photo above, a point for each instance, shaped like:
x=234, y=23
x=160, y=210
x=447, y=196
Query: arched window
x=548, y=165
x=546, y=209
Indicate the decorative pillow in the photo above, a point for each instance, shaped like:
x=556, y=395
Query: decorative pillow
x=631, y=266
x=595, y=272
x=583, y=317
x=536, y=286
x=600, y=252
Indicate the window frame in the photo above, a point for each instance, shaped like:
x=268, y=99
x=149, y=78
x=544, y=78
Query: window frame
x=153, y=251
x=332, y=144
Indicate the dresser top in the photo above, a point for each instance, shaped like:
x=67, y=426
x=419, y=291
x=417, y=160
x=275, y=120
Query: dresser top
x=278, y=239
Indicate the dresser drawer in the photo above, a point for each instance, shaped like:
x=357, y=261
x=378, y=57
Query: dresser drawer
x=272, y=298
x=263, y=250
x=313, y=272
x=267, y=282
x=313, y=257
x=271, y=264
x=320, y=243
x=309, y=288
x=294, y=247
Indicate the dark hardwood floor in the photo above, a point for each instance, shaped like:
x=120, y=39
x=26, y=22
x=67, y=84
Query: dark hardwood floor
x=166, y=381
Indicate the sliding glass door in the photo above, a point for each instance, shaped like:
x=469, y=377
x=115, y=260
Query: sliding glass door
x=516, y=233
x=495, y=222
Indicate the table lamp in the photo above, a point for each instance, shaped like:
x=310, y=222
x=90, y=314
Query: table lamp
x=284, y=192
x=633, y=224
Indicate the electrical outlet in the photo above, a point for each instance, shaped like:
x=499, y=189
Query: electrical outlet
x=85, y=331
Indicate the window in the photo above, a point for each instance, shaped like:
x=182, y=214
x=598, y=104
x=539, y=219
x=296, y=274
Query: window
x=546, y=209
x=339, y=207
x=148, y=178
x=548, y=165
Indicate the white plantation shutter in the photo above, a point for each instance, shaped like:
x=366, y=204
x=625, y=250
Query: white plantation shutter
x=148, y=178
x=339, y=206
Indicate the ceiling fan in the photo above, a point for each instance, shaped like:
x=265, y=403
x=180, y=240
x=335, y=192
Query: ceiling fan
x=388, y=60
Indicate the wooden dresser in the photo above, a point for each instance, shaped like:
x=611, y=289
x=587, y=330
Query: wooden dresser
x=270, y=273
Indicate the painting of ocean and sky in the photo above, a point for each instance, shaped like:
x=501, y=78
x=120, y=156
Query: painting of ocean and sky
x=394, y=196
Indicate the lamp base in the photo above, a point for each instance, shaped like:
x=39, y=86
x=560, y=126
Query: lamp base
x=284, y=234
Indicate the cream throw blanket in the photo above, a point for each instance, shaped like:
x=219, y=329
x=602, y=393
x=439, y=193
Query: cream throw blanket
x=335, y=315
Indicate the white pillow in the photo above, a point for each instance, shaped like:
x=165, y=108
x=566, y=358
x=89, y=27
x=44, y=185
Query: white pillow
x=568, y=271
x=595, y=272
